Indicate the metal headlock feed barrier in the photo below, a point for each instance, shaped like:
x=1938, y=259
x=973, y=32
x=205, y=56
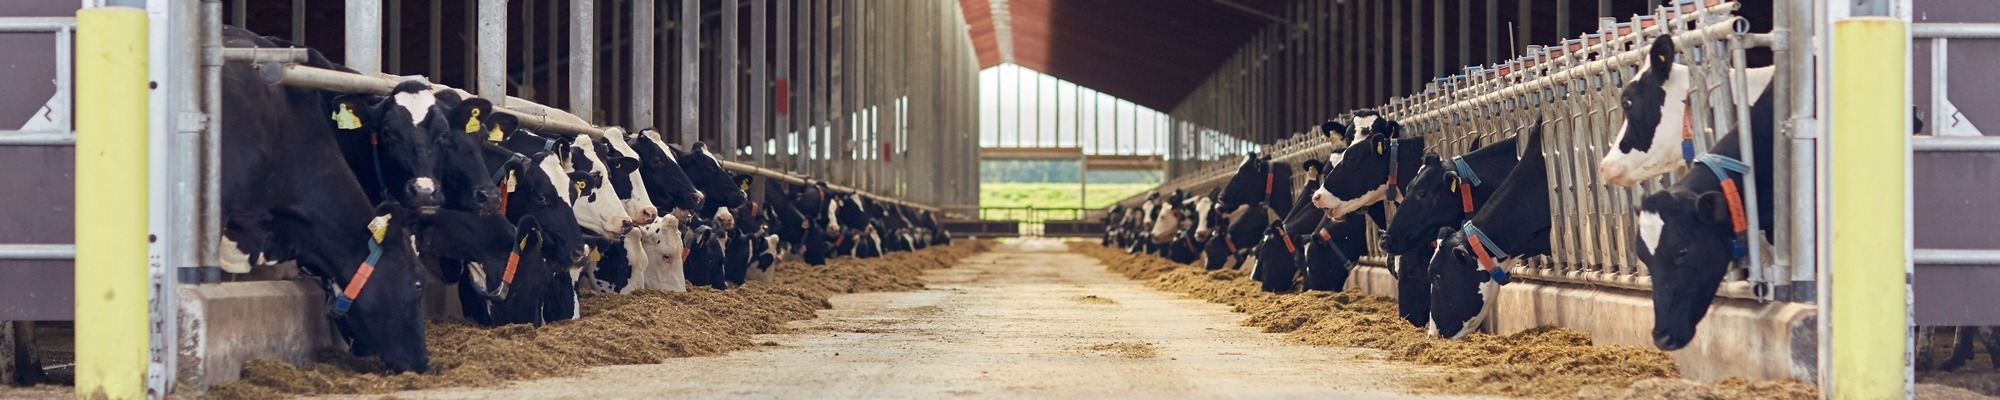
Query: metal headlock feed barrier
x=1574, y=88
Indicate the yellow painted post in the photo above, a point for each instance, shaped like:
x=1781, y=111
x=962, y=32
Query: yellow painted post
x=1870, y=248
x=111, y=309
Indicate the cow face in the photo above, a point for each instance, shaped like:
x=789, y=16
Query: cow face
x=1460, y=292
x=467, y=181
x=599, y=210
x=404, y=156
x=1359, y=179
x=1656, y=118
x=1432, y=201
x=625, y=178
x=1252, y=183
x=544, y=191
x=707, y=174
x=665, y=181
x=1207, y=218
x=385, y=320
x=663, y=242
x=1685, y=241
x=1413, y=284
x=483, y=241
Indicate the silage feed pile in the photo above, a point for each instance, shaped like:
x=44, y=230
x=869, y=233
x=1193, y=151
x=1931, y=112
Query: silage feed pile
x=642, y=328
x=1538, y=363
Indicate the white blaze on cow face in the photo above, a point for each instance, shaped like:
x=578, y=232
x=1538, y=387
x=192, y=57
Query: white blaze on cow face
x=1202, y=206
x=833, y=214
x=418, y=104
x=1650, y=225
x=1165, y=226
x=600, y=212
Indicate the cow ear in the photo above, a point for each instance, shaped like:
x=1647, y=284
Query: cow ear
x=352, y=112
x=1712, y=208
x=1660, y=60
x=1472, y=147
x=470, y=116
x=528, y=234
x=501, y=125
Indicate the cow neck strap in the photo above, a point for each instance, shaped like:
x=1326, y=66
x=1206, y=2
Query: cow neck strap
x=1687, y=133
x=1739, y=223
x=1394, y=163
x=1465, y=171
x=1487, y=251
x=1325, y=236
x=344, y=299
x=1270, y=178
x=1190, y=243
x=1289, y=247
x=1229, y=242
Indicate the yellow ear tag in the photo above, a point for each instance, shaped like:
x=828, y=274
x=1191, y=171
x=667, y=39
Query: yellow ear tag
x=1453, y=185
x=1314, y=171
x=594, y=256
x=472, y=122
x=579, y=189
x=496, y=135
x=524, y=243
x=744, y=186
x=1378, y=147
x=510, y=181
x=379, y=227
x=344, y=118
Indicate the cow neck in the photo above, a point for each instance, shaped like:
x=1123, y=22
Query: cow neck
x=1395, y=168
x=375, y=156
x=1739, y=224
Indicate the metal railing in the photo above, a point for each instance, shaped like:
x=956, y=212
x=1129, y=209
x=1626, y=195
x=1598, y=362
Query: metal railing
x=59, y=128
x=1940, y=36
x=1573, y=87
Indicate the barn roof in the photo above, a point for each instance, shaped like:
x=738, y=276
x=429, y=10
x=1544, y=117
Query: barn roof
x=1151, y=52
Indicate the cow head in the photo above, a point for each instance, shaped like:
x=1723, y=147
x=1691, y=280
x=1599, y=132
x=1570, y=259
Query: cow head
x=1656, y=118
x=1334, y=132
x=385, y=319
x=1685, y=241
x=1460, y=292
x=1207, y=217
x=708, y=176
x=811, y=200
x=665, y=181
x=1168, y=222
x=1252, y=183
x=482, y=241
x=403, y=153
x=1431, y=201
x=598, y=209
x=1360, y=178
x=626, y=181
x=545, y=191
x=467, y=181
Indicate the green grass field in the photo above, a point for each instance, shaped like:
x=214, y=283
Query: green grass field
x=1054, y=195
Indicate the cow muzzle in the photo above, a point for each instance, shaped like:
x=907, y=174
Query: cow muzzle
x=424, y=195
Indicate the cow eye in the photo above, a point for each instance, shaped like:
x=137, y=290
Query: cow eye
x=420, y=285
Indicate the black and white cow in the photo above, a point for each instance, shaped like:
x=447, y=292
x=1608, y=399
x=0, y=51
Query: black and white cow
x=1654, y=139
x=287, y=197
x=1469, y=263
x=1367, y=171
x=1444, y=193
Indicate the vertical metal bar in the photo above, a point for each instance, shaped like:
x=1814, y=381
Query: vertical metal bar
x=492, y=56
x=1378, y=40
x=395, y=38
x=364, y=36
x=1523, y=26
x=299, y=22
x=819, y=110
x=689, y=30
x=436, y=50
x=1038, y=77
x=582, y=58
x=1492, y=31
x=803, y=138
x=172, y=168
x=760, y=90
x=238, y=16
x=1395, y=45
x=469, y=70
x=1438, y=66
x=728, y=70
x=1465, y=34
x=644, y=59
x=781, y=86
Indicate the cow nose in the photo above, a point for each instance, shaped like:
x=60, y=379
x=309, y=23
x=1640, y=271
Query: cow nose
x=1319, y=198
x=700, y=197
x=648, y=214
x=423, y=192
x=1668, y=342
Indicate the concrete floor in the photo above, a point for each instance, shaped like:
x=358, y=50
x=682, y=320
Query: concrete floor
x=1017, y=322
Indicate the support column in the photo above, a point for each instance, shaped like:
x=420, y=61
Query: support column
x=643, y=61
x=727, y=70
x=760, y=89
x=689, y=30
x=364, y=36
x=492, y=56
x=111, y=167
x=582, y=58
x=1870, y=256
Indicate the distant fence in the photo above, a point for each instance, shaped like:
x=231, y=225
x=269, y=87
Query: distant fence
x=1033, y=219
